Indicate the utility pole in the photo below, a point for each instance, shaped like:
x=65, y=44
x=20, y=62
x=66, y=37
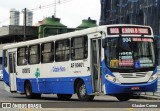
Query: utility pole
x=55, y=6
x=25, y=11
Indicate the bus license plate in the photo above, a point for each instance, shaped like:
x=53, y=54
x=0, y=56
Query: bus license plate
x=135, y=88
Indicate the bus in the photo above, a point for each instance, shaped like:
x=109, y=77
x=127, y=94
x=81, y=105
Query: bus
x=116, y=60
x=1, y=74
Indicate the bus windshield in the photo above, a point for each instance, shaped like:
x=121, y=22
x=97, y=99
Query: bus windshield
x=130, y=52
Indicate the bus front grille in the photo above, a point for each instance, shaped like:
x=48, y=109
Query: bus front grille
x=133, y=75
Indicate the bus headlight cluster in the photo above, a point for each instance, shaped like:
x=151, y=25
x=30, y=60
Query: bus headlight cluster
x=155, y=76
x=110, y=78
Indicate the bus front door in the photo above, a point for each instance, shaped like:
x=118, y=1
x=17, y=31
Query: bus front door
x=12, y=71
x=96, y=64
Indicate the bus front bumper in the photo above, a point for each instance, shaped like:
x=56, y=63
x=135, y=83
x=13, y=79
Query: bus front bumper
x=114, y=88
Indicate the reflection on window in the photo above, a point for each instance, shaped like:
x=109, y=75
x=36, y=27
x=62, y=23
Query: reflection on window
x=5, y=58
x=112, y=52
x=22, y=56
x=79, y=48
x=144, y=54
x=133, y=52
x=62, y=48
x=34, y=57
x=47, y=52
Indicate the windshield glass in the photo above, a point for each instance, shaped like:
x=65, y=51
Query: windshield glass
x=130, y=52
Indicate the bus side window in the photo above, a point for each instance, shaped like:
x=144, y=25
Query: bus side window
x=34, y=54
x=47, y=51
x=22, y=54
x=79, y=48
x=5, y=58
x=62, y=50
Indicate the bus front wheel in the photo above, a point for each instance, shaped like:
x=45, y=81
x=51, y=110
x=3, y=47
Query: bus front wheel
x=124, y=97
x=29, y=93
x=82, y=92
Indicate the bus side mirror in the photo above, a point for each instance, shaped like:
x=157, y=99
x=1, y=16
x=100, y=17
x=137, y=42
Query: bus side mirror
x=103, y=43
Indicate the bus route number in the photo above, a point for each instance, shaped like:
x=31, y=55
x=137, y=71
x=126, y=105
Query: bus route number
x=77, y=65
x=126, y=39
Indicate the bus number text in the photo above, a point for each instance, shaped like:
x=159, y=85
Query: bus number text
x=77, y=65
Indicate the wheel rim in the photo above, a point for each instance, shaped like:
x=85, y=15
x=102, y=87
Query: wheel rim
x=82, y=91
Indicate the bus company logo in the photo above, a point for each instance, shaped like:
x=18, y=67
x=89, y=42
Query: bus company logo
x=58, y=69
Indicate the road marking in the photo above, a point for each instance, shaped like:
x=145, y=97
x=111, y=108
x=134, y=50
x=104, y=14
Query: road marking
x=130, y=109
x=27, y=109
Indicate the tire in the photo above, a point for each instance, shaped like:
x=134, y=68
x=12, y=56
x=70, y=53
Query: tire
x=124, y=97
x=82, y=92
x=29, y=93
x=64, y=96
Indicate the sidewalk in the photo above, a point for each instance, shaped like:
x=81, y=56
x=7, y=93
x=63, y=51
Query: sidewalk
x=150, y=97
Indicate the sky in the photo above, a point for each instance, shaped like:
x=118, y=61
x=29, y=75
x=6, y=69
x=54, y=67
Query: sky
x=71, y=12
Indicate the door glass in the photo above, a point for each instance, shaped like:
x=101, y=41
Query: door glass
x=14, y=62
x=94, y=59
x=11, y=63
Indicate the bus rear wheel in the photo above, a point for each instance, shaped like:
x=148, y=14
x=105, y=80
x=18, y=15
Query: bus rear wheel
x=82, y=92
x=29, y=93
x=64, y=96
x=124, y=97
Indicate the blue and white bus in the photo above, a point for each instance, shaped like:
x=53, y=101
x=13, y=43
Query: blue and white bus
x=114, y=60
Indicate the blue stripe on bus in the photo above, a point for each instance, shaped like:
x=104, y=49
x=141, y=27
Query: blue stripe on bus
x=63, y=85
x=54, y=85
x=5, y=76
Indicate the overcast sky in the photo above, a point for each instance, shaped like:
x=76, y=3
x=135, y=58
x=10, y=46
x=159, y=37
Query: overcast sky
x=71, y=12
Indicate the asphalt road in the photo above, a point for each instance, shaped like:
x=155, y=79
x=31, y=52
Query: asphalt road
x=51, y=101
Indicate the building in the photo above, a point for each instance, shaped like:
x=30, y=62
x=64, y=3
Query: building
x=14, y=17
x=29, y=18
x=14, y=33
x=51, y=26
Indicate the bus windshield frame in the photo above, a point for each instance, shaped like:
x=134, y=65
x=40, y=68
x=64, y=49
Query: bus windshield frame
x=130, y=54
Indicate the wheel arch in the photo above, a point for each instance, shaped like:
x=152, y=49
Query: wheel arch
x=25, y=82
x=76, y=83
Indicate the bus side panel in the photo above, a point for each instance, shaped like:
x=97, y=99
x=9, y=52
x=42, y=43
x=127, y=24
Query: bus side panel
x=5, y=73
x=5, y=77
x=54, y=85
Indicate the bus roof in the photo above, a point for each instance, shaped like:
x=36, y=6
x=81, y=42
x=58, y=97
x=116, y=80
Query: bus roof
x=68, y=35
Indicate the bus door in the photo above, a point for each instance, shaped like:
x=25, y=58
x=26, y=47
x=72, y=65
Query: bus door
x=12, y=71
x=96, y=64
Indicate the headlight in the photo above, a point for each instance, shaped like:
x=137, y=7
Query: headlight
x=110, y=78
x=152, y=78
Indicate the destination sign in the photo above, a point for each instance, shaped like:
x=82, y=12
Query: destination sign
x=128, y=30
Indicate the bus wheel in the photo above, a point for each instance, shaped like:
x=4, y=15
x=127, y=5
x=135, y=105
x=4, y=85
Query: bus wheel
x=29, y=93
x=64, y=96
x=82, y=92
x=124, y=97
x=28, y=90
